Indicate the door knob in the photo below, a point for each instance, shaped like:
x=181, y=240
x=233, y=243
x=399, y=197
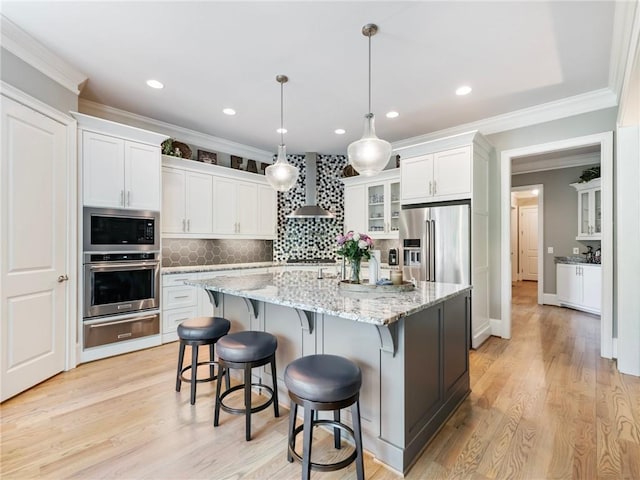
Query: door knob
x=62, y=278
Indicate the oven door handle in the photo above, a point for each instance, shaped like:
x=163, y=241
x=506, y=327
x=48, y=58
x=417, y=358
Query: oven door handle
x=119, y=265
x=127, y=320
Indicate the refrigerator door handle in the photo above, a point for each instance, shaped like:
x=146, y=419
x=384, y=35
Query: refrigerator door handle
x=433, y=250
x=427, y=251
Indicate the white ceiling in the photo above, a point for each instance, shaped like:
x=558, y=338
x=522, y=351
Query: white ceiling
x=212, y=55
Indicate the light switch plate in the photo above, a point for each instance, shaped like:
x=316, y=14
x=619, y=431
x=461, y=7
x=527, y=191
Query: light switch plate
x=576, y=251
x=550, y=250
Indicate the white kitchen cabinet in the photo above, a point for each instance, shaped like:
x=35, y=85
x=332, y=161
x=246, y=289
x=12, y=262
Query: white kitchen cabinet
x=372, y=204
x=181, y=302
x=355, y=209
x=589, y=210
x=579, y=286
x=209, y=201
x=120, y=173
x=435, y=177
x=239, y=202
x=451, y=169
x=187, y=201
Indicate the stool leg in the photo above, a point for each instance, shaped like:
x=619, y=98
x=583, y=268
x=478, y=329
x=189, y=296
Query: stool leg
x=247, y=401
x=306, y=443
x=180, y=360
x=216, y=408
x=194, y=370
x=211, y=359
x=274, y=376
x=293, y=413
x=227, y=377
x=357, y=432
x=336, y=431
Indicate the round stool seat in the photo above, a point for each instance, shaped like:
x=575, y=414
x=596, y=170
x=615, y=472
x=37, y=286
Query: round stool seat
x=247, y=346
x=323, y=378
x=203, y=328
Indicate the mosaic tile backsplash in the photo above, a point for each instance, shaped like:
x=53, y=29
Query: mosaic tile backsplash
x=187, y=252
x=311, y=238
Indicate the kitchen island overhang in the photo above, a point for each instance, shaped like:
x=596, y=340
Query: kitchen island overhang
x=415, y=361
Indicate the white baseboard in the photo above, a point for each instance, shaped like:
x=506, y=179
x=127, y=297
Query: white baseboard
x=479, y=337
x=496, y=327
x=550, y=299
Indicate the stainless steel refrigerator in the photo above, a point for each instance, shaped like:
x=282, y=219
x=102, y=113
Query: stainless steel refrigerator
x=436, y=242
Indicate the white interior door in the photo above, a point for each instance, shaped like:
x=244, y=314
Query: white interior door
x=34, y=229
x=529, y=242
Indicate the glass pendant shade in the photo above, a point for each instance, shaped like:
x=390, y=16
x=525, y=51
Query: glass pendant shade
x=369, y=155
x=281, y=175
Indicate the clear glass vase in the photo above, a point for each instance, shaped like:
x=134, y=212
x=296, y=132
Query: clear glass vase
x=355, y=270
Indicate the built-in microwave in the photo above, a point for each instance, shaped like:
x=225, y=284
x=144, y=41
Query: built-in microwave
x=120, y=230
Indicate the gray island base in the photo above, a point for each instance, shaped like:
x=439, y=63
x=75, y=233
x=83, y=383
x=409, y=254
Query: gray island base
x=412, y=347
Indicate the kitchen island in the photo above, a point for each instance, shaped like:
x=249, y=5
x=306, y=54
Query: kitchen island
x=412, y=347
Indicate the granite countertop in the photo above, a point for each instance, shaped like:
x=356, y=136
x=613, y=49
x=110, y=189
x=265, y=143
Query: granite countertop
x=300, y=289
x=574, y=260
x=244, y=266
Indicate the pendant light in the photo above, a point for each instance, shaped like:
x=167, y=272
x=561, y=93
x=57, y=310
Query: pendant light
x=369, y=155
x=281, y=175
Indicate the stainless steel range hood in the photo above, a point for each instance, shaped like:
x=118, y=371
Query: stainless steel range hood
x=311, y=209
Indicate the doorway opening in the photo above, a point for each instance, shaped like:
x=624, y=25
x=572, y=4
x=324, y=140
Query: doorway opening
x=604, y=142
x=527, y=233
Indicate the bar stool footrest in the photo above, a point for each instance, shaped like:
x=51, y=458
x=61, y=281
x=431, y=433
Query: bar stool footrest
x=199, y=380
x=325, y=467
x=238, y=411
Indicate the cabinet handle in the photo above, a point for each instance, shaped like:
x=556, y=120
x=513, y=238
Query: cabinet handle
x=188, y=224
x=430, y=188
x=129, y=198
x=435, y=187
x=181, y=296
x=122, y=198
x=63, y=278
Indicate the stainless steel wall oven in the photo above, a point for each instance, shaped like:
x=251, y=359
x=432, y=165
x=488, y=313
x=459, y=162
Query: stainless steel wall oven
x=121, y=275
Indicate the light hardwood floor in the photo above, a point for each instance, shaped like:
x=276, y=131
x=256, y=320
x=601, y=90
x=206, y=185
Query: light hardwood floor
x=543, y=405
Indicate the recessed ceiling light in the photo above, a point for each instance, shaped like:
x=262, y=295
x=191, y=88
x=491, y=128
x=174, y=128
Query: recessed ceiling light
x=155, y=84
x=339, y=131
x=281, y=130
x=392, y=114
x=464, y=90
x=228, y=111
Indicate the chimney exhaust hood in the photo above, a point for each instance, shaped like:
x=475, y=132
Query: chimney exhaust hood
x=311, y=208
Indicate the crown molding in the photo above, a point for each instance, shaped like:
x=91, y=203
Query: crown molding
x=545, y=112
x=555, y=163
x=183, y=134
x=29, y=50
x=621, y=43
x=629, y=112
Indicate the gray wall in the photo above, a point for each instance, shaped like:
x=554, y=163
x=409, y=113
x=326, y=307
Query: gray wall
x=570, y=127
x=26, y=78
x=560, y=216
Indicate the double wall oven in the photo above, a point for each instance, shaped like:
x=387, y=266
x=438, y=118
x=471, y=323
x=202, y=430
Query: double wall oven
x=121, y=275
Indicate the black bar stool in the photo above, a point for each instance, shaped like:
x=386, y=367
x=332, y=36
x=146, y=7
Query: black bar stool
x=246, y=350
x=195, y=332
x=321, y=383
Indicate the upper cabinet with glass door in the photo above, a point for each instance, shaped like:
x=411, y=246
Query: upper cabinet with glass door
x=589, y=210
x=381, y=203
